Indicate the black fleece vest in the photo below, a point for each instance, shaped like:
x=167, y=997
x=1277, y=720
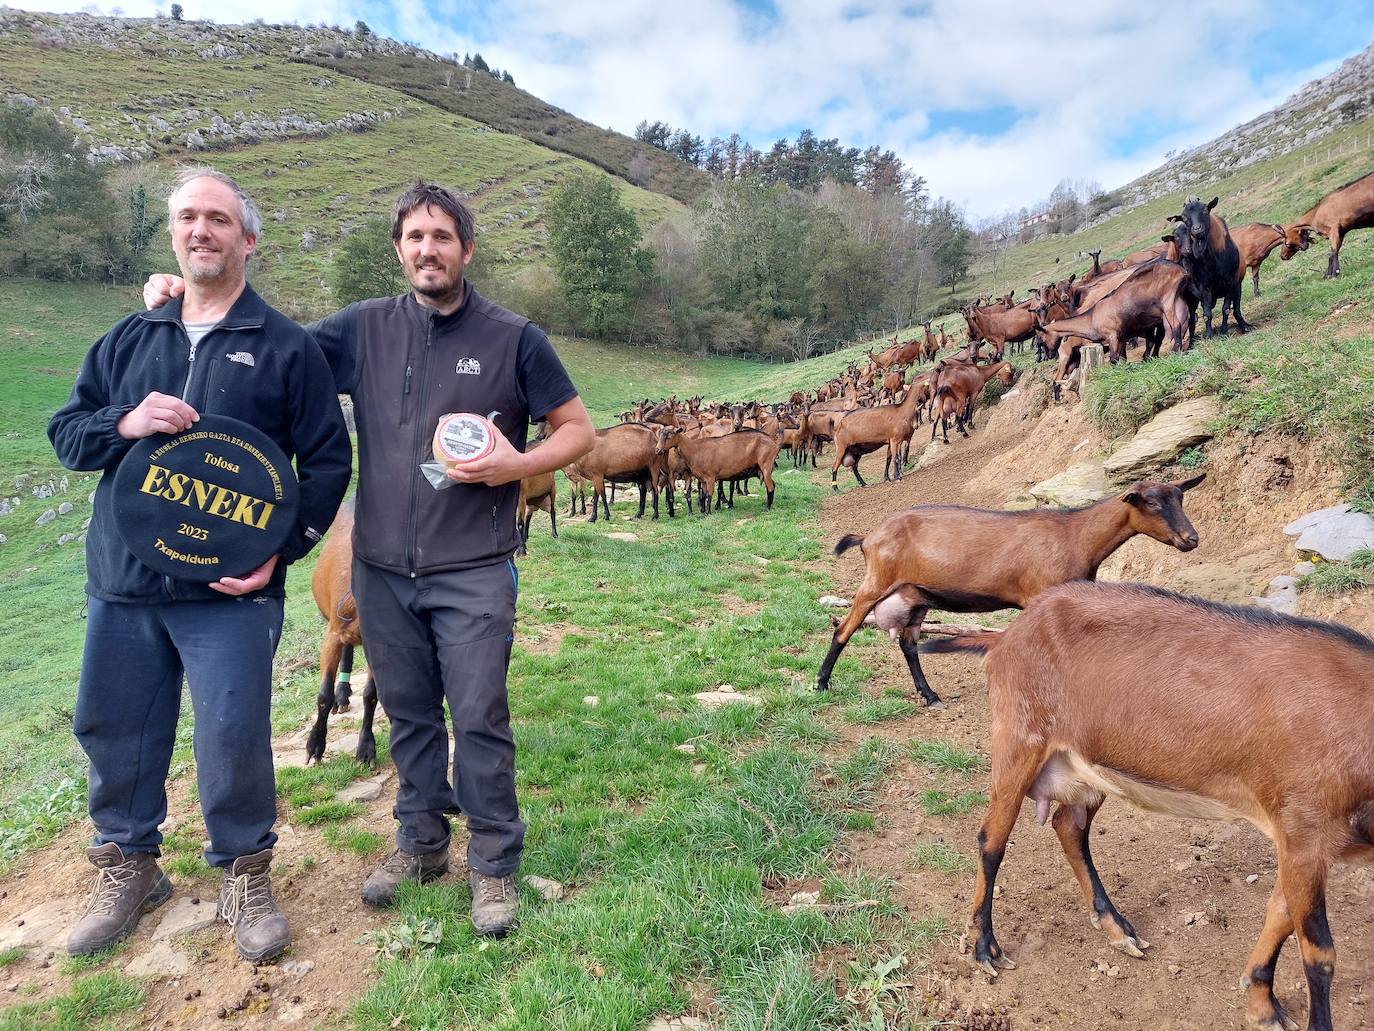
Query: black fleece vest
x=415, y=366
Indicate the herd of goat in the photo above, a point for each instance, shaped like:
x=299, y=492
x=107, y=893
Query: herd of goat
x=1176, y=704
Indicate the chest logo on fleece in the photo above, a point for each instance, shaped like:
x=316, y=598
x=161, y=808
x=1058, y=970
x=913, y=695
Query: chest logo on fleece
x=468, y=367
x=242, y=357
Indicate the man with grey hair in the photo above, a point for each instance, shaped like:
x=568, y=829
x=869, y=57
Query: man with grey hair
x=218, y=350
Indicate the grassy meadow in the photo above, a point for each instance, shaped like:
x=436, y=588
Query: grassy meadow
x=663, y=818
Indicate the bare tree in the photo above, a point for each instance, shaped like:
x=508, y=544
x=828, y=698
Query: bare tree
x=27, y=190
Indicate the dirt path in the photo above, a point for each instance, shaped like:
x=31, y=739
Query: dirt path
x=1185, y=885
x=316, y=884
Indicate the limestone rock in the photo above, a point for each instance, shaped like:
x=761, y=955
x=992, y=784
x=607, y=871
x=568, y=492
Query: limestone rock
x=185, y=917
x=831, y=601
x=676, y=1024
x=1078, y=485
x=724, y=695
x=297, y=967
x=622, y=536
x=550, y=891
x=935, y=451
x=64, y=508
x=1163, y=439
x=1282, y=596
x=1334, y=533
x=364, y=790
x=160, y=961
x=1233, y=582
x=45, y=925
x=46, y=517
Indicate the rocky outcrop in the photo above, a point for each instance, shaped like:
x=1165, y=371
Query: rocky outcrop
x=1076, y=486
x=1334, y=533
x=1163, y=439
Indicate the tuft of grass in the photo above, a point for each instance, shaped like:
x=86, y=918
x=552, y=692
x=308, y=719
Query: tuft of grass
x=858, y=821
x=875, y=710
x=941, y=755
x=1339, y=577
x=800, y=728
x=85, y=1006
x=9, y=957
x=354, y=839
x=868, y=764
x=942, y=803
x=37, y=815
x=328, y=812
x=189, y=866
x=74, y=965
x=935, y=855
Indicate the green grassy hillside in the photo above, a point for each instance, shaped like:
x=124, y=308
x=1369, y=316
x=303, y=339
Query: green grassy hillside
x=511, y=109
x=320, y=151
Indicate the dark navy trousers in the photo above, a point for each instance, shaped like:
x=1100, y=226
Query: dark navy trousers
x=129, y=700
x=447, y=637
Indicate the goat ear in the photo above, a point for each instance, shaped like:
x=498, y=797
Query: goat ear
x=1174, y=218
x=1191, y=482
x=1167, y=238
x=1212, y=203
x=1131, y=497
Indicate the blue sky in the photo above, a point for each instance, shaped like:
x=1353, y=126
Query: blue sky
x=993, y=101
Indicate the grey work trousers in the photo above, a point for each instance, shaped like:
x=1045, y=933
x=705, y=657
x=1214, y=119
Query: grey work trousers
x=447, y=637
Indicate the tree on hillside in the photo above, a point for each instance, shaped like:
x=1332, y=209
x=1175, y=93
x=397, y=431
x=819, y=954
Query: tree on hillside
x=595, y=251
x=947, y=238
x=176, y=12
x=366, y=266
x=55, y=218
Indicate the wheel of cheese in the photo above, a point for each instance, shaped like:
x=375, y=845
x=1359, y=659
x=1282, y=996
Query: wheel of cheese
x=462, y=437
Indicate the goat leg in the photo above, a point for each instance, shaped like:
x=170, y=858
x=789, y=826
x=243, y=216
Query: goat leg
x=908, y=643
x=367, y=740
x=1262, y=1009
x=324, y=700
x=1303, y=876
x=1072, y=824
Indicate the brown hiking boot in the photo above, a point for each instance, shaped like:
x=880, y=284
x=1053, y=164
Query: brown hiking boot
x=494, y=902
x=246, y=904
x=125, y=888
x=380, y=887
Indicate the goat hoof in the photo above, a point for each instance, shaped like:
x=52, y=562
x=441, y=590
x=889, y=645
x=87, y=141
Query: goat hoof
x=936, y=705
x=1130, y=947
x=366, y=754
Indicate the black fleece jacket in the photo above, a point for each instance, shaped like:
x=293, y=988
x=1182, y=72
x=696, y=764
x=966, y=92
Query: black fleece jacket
x=256, y=366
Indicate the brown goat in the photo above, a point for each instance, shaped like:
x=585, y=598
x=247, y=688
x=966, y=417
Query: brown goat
x=1151, y=298
x=1167, y=249
x=1255, y=242
x=1192, y=708
x=1339, y=212
x=623, y=454
x=867, y=429
x=716, y=459
x=332, y=585
x=977, y=560
x=537, y=493
x=957, y=388
x=997, y=329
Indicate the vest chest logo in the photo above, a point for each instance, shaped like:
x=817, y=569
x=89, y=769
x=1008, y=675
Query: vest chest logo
x=468, y=367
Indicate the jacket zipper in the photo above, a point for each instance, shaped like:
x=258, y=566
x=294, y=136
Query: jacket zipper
x=413, y=515
x=405, y=396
